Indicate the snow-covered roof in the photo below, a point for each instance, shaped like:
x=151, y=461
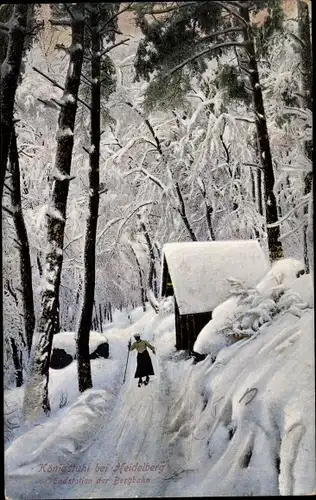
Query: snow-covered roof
x=199, y=270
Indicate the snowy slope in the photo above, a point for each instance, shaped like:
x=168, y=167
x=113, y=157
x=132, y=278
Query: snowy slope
x=240, y=426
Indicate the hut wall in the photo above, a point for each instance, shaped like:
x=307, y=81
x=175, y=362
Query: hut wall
x=188, y=326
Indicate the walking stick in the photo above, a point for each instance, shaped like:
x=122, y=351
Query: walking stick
x=126, y=365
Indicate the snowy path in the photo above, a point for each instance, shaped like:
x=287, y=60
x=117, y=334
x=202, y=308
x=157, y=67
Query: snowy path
x=133, y=438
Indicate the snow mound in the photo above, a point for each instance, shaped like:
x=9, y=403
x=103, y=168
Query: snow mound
x=67, y=341
x=60, y=441
x=211, y=338
x=283, y=272
x=245, y=425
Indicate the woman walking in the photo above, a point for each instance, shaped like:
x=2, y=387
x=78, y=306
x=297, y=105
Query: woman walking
x=144, y=364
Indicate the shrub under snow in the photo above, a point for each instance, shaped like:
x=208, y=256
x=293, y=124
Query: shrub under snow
x=247, y=310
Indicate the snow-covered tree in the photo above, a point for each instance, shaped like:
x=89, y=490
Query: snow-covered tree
x=36, y=393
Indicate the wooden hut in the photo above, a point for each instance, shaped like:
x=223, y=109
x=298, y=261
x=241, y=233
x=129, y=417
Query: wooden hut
x=196, y=273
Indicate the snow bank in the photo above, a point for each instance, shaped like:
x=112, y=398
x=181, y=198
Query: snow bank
x=212, y=337
x=245, y=425
x=59, y=441
x=199, y=271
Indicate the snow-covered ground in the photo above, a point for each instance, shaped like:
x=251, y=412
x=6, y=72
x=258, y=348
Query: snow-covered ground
x=242, y=424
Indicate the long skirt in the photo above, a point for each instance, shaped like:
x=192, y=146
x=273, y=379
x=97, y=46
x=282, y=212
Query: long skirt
x=144, y=365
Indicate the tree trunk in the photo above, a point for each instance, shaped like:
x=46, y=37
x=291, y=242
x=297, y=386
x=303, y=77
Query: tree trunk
x=23, y=243
x=39, y=264
x=110, y=313
x=17, y=353
x=274, y=245
x=17, y=361
x=96, y=317
x=10, y=72
x=183, y=214
x=208, y=211
x=101, y=319
x=310, y=235
x=83, y=358
x=304, y=35
x=141, y=281
x=36, y=393
x=152, y=275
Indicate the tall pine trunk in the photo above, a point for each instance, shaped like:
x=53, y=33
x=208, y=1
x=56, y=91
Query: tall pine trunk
x=274, y=244
x=23, y=243
x=10, y=72
x=36, y=394
x=83, y=334
x=306, y=68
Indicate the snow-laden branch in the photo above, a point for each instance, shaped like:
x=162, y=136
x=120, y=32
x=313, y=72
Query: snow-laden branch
x=72, y=241
x=292, y=231
x=150, y=176
x=130, y=216
x=108, y=226
x=158, y=146
x=205, y=51
x=303, y=202
x=56, y=84
x=108, y=49
x=128, y=146
x=219, y=33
